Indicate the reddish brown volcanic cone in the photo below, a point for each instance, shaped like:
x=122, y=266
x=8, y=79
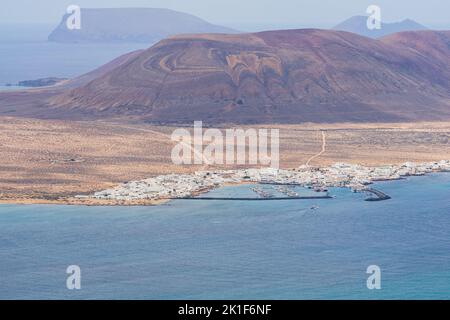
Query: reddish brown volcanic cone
x=278, y=76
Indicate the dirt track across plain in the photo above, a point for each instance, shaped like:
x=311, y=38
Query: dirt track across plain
x=46, y=159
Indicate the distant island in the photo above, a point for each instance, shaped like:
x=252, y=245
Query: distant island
x=44, y=82
x=132, y=25
x=358, y=25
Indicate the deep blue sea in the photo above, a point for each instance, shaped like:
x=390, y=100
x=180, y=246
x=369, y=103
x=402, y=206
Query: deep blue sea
x=234, y=249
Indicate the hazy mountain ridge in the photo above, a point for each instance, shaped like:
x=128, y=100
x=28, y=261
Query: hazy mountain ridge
x=132, y=25
x=358, y=25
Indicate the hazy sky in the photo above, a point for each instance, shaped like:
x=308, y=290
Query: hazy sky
x=243, y=13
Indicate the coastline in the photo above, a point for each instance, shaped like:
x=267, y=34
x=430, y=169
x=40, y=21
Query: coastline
x=81, y=202
x=358, y=182
x=206, y=233
x=92, y=202
x=354, y=177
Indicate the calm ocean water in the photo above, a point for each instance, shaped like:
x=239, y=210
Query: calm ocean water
x=235, y=250
x=207, y=250
x=25, y=54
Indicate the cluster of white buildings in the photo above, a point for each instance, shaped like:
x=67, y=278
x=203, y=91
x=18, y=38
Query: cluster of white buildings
x=357, y=176
x=338, y=175
x=165, y=187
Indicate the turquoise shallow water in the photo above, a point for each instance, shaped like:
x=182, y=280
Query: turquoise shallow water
x=235, y=250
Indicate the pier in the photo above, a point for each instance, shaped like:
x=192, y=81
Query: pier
x=281, y=183
x=381, y=196
x=255, y=199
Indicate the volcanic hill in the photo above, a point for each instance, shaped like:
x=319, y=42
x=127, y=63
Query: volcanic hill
x=289, y=76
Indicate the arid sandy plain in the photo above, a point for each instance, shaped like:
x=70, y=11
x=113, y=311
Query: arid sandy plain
x=48, y=161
